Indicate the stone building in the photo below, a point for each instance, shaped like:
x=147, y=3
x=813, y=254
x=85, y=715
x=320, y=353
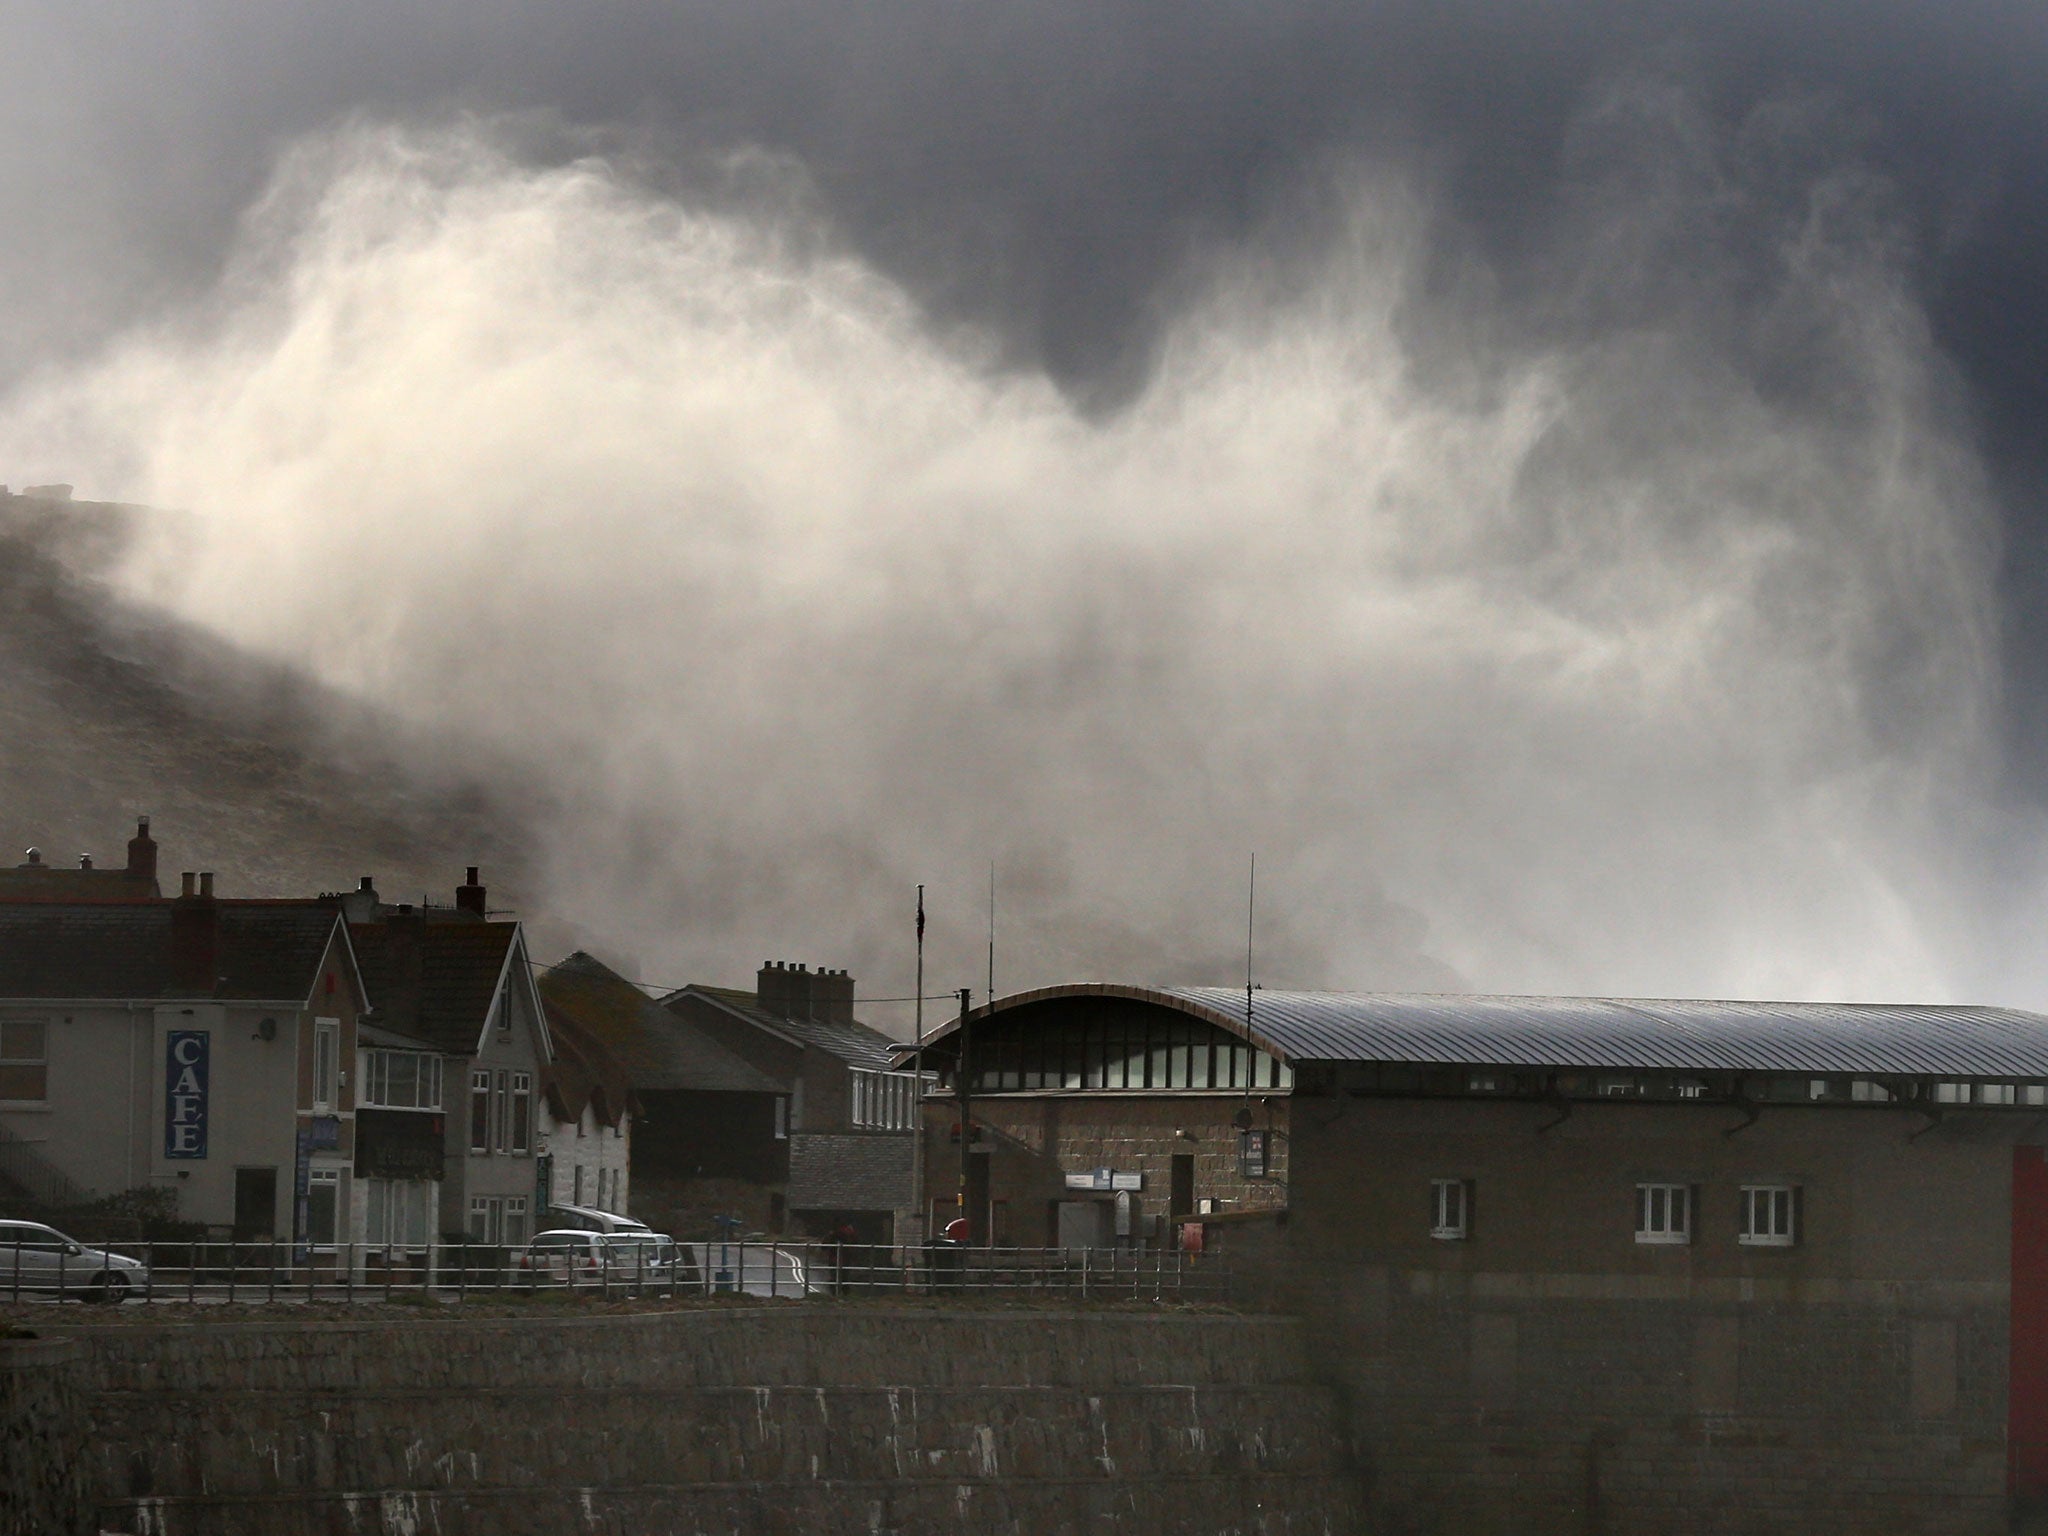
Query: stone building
x=850, y=1111
x=1103, y=1116
x=1590, y=1264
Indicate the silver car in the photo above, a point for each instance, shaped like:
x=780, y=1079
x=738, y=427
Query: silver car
x=36, y=1260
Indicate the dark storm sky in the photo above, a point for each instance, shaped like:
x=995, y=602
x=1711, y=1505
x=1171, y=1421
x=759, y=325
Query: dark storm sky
x=1059, y=176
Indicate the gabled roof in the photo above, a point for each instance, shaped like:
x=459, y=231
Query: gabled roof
x=1602, y=1033
x=435, y=982
x=854, y=1043
x=659, y=1051
x=268, y=951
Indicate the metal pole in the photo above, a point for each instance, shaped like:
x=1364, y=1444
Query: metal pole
x=917, y=1211
x=960, y=1069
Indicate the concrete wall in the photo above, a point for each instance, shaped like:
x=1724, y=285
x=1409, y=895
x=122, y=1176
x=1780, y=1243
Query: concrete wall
x=732, y=1419
x=1549, y=1374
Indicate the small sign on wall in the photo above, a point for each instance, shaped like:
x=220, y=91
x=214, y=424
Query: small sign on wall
x=186, y=1065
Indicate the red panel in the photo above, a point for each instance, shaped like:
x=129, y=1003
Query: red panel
x=2027, y=1400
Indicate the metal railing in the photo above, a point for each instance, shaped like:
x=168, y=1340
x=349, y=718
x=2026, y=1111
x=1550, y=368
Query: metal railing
x=222, y=1272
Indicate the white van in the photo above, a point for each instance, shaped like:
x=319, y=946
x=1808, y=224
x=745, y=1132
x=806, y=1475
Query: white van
x=587, y=1218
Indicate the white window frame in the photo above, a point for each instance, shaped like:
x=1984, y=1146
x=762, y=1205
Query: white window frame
x=521, y=1113
x=479, y=1087
x=515, y=1229
x=327, y=1064
x=1664, y=1214
x=501, y=1112
x=1770, y=1216
x=1450, y=1209
x=329, y=1178
x=374, y=1091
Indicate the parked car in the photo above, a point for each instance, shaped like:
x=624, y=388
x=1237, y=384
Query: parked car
x=35, y=1259
x=588, y=1218
x=649, y=1257
x=561, y=1257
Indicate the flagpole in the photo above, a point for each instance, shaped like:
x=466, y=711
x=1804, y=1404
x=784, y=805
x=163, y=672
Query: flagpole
x=917, y=1064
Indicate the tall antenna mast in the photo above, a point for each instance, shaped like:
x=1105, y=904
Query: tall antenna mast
x=991, y=930
x=1251, y=900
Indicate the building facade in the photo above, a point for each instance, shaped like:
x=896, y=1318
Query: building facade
x=849, y=1126
x=1102, y=1118
x=199, y=1047
x=1627, y=1265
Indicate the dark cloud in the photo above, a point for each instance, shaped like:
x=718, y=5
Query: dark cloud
x=1734, y=251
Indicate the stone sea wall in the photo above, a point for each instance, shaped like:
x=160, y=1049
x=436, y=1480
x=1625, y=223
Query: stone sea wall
x=732, y=1420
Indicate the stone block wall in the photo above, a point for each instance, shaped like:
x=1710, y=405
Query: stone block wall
x=732, y=1419
x=45, y=1485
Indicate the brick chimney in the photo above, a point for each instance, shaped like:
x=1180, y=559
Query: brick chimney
x=195, y=937
x=798, y=992
x=832, y=997
x=783, y=991
x=469, y=896
x=360, y=905
x=142, y=853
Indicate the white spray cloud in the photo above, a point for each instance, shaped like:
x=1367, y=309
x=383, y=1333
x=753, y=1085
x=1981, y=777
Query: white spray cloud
x=1634, y=639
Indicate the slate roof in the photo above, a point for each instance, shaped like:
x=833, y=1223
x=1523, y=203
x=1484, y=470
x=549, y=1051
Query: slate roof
x=1621, y=1034
x=855, y=1044
x=433, y=981
x=42, y=882
x=269, y=952
x=850, y=1171
x=659, y=1051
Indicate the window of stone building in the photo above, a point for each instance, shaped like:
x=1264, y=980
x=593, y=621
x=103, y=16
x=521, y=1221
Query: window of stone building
x=1770, y=1215
x=1450, y=1209
x=515, y=1219
x=501, y=1120
x=1664, y=1213
x=24, y=1060
x=576, y=1185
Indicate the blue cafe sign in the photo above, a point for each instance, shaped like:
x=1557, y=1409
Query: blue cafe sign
x=186, y=1053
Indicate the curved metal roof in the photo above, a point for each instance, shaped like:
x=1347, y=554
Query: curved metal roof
x=1621, y=1034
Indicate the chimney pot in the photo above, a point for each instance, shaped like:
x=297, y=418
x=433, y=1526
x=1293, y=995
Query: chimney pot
x=186, y=880
x=85, y=861
x=365, y=884
x=206, y=884
x=35, y=855
x=469, y=896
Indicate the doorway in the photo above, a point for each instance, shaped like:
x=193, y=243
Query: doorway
x=255, y=1202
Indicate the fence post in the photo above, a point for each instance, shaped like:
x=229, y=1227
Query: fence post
x=349, y=1282
x=148, y=1270
x=270, y=1280
x=233, y=1265
x=1084, y=1273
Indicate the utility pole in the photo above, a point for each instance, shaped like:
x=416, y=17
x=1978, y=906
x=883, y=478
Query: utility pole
x=960, y=1070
